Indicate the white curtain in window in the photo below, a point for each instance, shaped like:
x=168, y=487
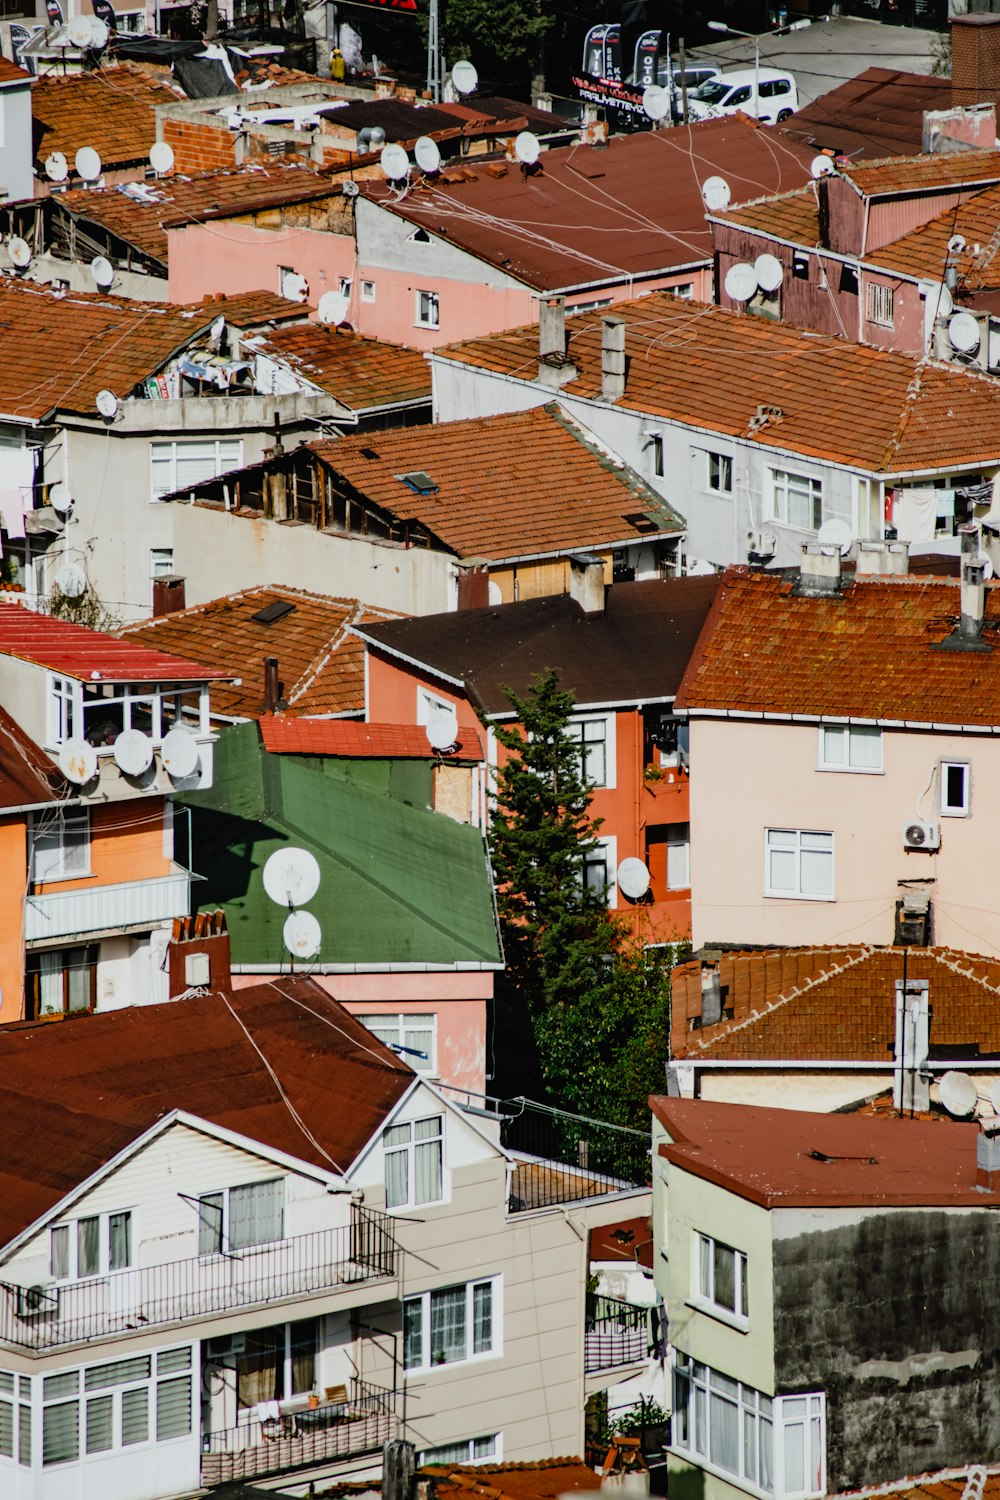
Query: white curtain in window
x=119, y=1241
x=397, y=1190
x=482, y=1318
x=88, y=1246
x=817, y=864
x=255, y=1213
x=448, y=1340
x=427, y=1166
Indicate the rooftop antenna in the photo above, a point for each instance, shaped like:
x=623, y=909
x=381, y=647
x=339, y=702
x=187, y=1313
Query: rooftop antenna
x=302, y=934
x=79, y=32
x=527, y=148
x=821, y=166
x=56, y=167
x=71, y=580
x=78, y=761
x=179, y=754
x=103, y=272
x=427, y=155
x=655, y=102
x=133, y=752
x=716, y=193
x=87, y=163
x=20, y=252
x=740, y=282
x=161, y=157
x=956, y=244
x=633, y=878
x=395, y=163
x=959, y=1094
x=333, y=308
x=769, y=271
x=465, y=77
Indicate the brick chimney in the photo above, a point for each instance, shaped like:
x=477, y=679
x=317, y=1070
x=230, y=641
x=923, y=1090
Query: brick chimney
x=198, y=953
x=975, y=60
x=168, y=596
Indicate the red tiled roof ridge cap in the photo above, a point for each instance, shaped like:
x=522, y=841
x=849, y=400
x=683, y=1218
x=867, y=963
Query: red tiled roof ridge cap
x=914, y=1481
x=736, y=208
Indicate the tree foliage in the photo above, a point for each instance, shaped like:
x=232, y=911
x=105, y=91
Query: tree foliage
x=505, y=33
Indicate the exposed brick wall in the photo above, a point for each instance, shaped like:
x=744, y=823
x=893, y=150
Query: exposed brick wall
x=199, y=147
x=975, y=59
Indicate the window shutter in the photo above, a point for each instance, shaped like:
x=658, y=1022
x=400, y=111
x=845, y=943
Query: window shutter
x=100, y=1413
x=173, y=1408
x=7, y=1429
x=61, y=1433
x=135, y=1416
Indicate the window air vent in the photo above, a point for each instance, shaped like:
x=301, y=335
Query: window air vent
x=419, y=482
x=271, y=612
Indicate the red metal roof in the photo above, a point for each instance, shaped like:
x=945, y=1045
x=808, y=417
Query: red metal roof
x=89, y=655
x=546, y=1479
x=628, y=1240
x=287, y=736
x=27, y=775
x=880, y=113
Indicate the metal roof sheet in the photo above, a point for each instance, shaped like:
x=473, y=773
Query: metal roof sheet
x=79, y=652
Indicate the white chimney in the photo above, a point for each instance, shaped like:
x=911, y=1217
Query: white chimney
x=819, y=570
x=973, y=599
x=612, y=358
x=586, y=583
x=555, y=367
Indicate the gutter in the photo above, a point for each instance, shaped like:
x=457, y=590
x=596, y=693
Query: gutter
x=464, y=966
x=764, y=1065
x=684, y=712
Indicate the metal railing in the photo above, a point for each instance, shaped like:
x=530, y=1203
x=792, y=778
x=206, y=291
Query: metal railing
x=134, y=904
x=295, y=1441
x=567, y=1157
x=59, y=1313
x=616, y=1333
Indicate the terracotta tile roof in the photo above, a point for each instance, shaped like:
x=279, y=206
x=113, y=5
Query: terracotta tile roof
x=879, y=113
x=76, y=651
x=842, y=657
x=974, y=1482
x=789, y=1158
x=632, y=208
x=27, y=775
x=92, y=1076
x=246, y=309
x=545, y=1479
x=361, y=373
x=285, y=736
x=10, y=73
x=522, y=484
x=847, y=403
x=508, y=112
x=923, y=251
x=792, y=216
x=112, y=109
x=834, y=1004
x=321, y=661
x=915, y=174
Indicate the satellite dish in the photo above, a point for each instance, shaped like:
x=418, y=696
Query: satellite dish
x=179, y=754
x=821, y=166
x=71, y=580
x=133, y=752
x=291, y=876
x=655, y=102
x=945, y=304
x=442, y=730
x=769, y=272
x=836, y=533
x=716, y=193
x=741, y=282
x=963, y=333
x=956, y=244
x=995, y=1095
x=427, y=154
x=633, y=879
x=79, y=32
x=394, y=163
x=60, y=498
x=88, y=164
x=99, y=33
x=78, y=761
x=102, y=271
x=56, y=167
x=333, y=307
x=302, y=934
x=161, y=157
x=349, y=189
x=19, y=251
x=107, y=405
x=959, y=1094
x=526, y=148
x=464, y=77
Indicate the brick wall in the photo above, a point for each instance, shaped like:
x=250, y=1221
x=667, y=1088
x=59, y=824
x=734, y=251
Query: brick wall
x=975, y=60
x=199, y=147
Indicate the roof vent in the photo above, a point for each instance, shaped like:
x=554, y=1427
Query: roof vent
x=271, y=612
x=419, y=482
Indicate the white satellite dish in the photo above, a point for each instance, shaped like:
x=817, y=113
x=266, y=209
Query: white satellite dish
x=302, y=934
x=956, y=244
x=161, y=157
x=333, y=307
x=740, y=282
x=464, y=76
x=102, y=271
x=78, y=761
x=79, y=32
x=769, y=272
x=56, y=167
x=99, y=33
x=394, y=163
x=133, y=752
x=836, y=533
x=633, y=878
x=963, y=333
x=945, y=304
x=716, y=193
x=995, y=1095
x=526, y=148
x=959, y=1094
x=88, y=164
x=60, y=498
x=655, y=102
x=107, y=405
x=821, y=166
x=71, y=580
x=427, y=154
x=349, y=189
x=179, y=754
x=441, y=730
x=291, y=876
x=19, y=251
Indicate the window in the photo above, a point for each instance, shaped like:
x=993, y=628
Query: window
x=413, y=1037
x=721, y=1276
x=655, y=445
x=419, y=237
x=850, y=747
x=91, y=1246
x=161, y=562
x=15, y=1418
x=414, y=1159
x=472, y=1451
x=720, y=473
x=798, y=864
x=596, y=739
x=453, y=1325
x=428, y=310
x=797, y=500
x=678, y=857
x=60, y=849
x=345, y=286
x=59, y=981
x=954, y=779
x=368, y=291
x=270, y=1364
x=878, y=304
x=175, y=466
x=800, y=1423
x=738, y=96
x=683, y=289
x=63, y=710
x=600, y=870
x=252, y=1214
x=120, y=1404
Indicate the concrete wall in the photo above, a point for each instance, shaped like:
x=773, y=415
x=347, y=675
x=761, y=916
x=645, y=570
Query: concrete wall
x=17, y=180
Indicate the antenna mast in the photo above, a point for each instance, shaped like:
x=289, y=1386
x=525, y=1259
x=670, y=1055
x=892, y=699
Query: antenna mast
x=434, y=52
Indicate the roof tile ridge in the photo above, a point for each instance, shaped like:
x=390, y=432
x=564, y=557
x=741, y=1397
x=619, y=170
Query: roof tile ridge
x=913, y=390
x=786, y=997
x=956, y=968
x=347, y=626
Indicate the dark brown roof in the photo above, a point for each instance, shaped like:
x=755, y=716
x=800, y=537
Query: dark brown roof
x=112, y=109
x=362, y=373
x=27, y=775
x=635, y=651
x=10, y=73
x=878, y=113
x=629, y=1241
x=508, y=111
x=400, y=120
x=790, y=1158
x=545, y=1479
x=102, y=1080
x=599, y=214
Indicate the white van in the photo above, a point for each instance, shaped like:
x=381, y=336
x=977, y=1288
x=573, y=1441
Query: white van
x=734, y=92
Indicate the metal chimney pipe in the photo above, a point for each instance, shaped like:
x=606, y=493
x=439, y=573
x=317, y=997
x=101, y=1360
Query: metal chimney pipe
x=272, y=687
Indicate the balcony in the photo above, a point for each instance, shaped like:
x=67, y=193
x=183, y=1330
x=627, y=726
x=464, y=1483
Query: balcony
x=62, y=1313
x=317, y=1435
x=135, y=906
x=616, y=1334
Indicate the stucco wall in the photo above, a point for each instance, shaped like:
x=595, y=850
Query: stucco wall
x=17, y=180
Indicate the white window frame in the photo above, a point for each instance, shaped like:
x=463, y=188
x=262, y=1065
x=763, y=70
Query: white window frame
x=69, y=1387
x=407, y=1147
x=161, y=562
x=678, y=857
x=15, y=1401
x=879, y=304
x=579, y=730
x=606, y=852
x=427, y=1365
x=797, y=893
x=427, y=314
x=703, y=1293
x=850, y=738
x=951, y=809
x=368, y=291
x=169, y=451
x=71, y=1229
x=395, y=1029
x=466, y=1447
x=789, y=484
x=346, y=283
x=225, y=1193
x=64, y=709
x=67, y=832
x=719, y=482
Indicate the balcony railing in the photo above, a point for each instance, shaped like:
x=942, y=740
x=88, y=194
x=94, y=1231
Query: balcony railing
x=46, y=1317
x=316, y=1435
x=616, y=1334
x=136, y=904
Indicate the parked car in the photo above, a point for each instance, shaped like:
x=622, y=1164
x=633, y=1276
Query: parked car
x=735, y=92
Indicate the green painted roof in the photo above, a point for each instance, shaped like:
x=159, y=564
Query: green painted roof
x=400, y=884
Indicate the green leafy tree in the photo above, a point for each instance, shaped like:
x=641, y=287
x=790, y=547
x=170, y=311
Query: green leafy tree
x=498, y=34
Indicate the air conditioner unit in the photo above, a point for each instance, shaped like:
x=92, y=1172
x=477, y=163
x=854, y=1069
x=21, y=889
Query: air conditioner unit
x=761, y=544
x=40, y=1301
x=925, y=837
